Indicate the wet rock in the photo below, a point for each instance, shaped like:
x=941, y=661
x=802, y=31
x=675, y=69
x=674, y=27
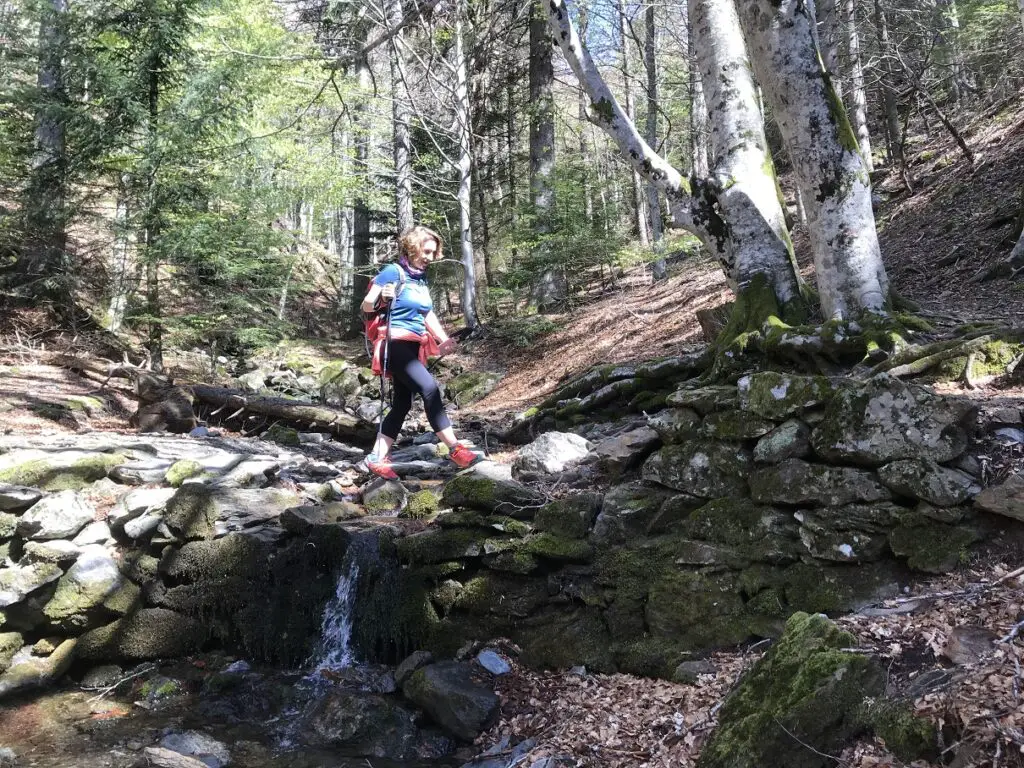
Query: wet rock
x=27, y=671
x=300, y=520
x=102, y=676
x=1006, y=499
x=82, y=591
x=197, y=512
x=775, y=395
x=795, y=481
x=552, y=452
x=449, y=694
x=410, y=664
x=789, y=440
x=367, y=725
x=928, y=481
x=142, y=472
x=234, y=555
x=150, y=633
x=886, y=419
x=799, y=704
x=18, y=498
x=206, y=749
x=18, y=581
x=701, y=468
x=59, y=516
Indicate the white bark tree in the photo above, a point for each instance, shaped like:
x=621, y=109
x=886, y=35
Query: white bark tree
x=400, y=115
x=1021, y=4
x=639, y=219
x=651, y=64
x=826, y=156
x=122, y=262
x=737, y=213
x=858, y=94
x=465, y=166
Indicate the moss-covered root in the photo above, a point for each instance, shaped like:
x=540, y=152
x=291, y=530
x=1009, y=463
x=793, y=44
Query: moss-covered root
x=756, y=306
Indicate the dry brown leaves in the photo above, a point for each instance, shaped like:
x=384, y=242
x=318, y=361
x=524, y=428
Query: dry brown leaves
x=619, y=721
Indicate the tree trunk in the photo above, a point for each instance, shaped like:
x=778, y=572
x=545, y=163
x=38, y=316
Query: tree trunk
x=700, y=151
x=858, y=94
x=551, y=287
x=152, y=228
x=581, y=113
x=511, y=166
x=1021, y=4
x=400, y=115
x=361, y=243
x=639, y=219
x=46, y=192
x=826, y=157
x=893, y=128
x=463, y=120
x=737, y=213
x=122, y=268
x=653, y=203
x=828, y=20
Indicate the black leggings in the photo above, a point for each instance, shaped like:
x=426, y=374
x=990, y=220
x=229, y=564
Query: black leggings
x=411, y=377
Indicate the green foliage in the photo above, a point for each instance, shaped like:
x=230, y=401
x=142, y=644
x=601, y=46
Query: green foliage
x=523, y=332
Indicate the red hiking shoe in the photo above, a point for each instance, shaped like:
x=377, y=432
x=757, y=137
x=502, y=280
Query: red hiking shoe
x=462, y=457
x=381, y=467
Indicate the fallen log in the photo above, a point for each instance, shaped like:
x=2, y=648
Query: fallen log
x=314, y=417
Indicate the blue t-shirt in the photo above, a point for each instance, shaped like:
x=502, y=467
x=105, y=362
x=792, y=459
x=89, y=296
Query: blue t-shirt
x=412, y=305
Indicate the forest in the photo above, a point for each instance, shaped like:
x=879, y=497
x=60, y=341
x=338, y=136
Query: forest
x=735, y=285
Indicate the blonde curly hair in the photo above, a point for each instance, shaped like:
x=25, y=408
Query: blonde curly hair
x=412, y=240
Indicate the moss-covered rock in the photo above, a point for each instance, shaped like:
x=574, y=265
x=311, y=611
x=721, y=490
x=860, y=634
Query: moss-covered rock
x=833, y=589
x=59, y=471
x=558, y=639
x=934, y=548
x=440, y=544
x=886, y=419
x=906, y=735
x=702, y=468
x=482, y=489
x=799, y=704
x=758, y=533
x=449, y=694
x=560, y=549
x=500, y=595
x=10, y=644
x=925, y=480
x=571, y=517
x=628, y=511
x=470, y=386
x=182, y=470
x=421, y=505
x=233, y=555
x=795, y=481
x=8, y=525
x=150, y=633
x=696, y=610
x=841, y=545
x=675, y=425
x=735, y=426
x=774, y=395
x=515, y=559
x=706, y=399
x=192, y=512
x=282, y=435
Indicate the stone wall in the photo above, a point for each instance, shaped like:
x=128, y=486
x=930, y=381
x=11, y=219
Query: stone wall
x=781, y=494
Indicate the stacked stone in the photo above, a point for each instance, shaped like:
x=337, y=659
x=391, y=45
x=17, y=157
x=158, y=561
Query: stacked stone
x=780, y=494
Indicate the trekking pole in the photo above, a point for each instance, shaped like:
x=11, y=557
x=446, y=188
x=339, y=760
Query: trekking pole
x=384, y=365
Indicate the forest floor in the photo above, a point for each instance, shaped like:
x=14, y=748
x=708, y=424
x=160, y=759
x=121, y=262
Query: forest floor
x=939, y=242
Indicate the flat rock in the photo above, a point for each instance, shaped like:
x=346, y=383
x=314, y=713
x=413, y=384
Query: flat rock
x=57, y=551
x=552, y=452
x=212, y=753
x=925, y=480
x=17, y=582
x=775, y=395
x=18, y=498
x=789, y=440
x=701, y=467
x=795, y=481
x=58, y=516
x=625, y=451
x=1006, y=499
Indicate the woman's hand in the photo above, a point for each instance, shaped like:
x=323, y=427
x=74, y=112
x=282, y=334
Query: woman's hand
x=387, y=293
x=447, y=346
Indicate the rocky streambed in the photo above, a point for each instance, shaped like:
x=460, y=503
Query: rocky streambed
x=630, y=543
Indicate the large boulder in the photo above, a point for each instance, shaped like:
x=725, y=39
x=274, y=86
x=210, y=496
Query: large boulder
x=623, y=452
x=485, y=488
x=552, y=452
x=449, y=693
x=59, y=516
x=778, y=396
x=84, y=591
x=701, y=467
x=886, y=419
x=150, y=633
x=56, y=470
x=365, y=725
x=800, y=704
x=201, y=512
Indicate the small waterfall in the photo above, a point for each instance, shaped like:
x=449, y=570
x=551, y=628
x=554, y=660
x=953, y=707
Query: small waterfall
x=335, y=649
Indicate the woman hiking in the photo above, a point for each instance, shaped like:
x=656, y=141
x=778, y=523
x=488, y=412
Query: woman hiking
x=415, y=333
